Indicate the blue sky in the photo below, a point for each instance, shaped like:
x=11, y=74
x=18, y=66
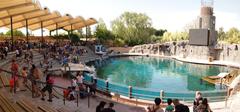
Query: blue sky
x=172, y=15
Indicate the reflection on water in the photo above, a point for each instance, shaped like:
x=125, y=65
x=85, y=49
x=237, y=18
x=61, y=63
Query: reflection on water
x=157, y=73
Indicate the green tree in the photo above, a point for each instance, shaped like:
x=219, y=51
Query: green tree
x=15, y=33
x=160, y=32
x=221, y=34
x=233, y=36
x=74, y=37
x=133, y=28
x=80, y=33
x=176, y=36
x=102, y=33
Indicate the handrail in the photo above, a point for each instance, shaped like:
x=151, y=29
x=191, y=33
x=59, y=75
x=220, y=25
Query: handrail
x=60, y=87
x=150, y=95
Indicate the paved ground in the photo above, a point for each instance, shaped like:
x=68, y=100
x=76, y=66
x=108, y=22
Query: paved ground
x=71, y=106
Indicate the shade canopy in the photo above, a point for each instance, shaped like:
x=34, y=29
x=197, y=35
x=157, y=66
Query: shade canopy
x=30, y=13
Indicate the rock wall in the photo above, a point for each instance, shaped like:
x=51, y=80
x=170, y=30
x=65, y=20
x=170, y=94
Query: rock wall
x=221, y=52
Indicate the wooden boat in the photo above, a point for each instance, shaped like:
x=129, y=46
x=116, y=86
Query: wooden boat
x=222, y=78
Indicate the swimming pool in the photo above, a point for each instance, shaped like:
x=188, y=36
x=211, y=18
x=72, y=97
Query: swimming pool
x=150, y=75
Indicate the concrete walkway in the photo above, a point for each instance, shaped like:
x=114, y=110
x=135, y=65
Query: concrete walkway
x=71, y=106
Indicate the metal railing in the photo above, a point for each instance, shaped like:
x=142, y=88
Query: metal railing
x=44, y=83
x=150, y=95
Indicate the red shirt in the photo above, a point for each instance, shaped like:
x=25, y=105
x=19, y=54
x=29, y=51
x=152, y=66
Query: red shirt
x=14, y=67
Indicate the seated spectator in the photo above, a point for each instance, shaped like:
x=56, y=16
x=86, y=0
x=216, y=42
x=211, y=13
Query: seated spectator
x=169, y=108
x=66, y=92
x=72, y=94
x=80, y=79
x=180, y=107
x=100, y=107
x=156, y=107
x=93, y=87
x=203, y=106
x=198, y=97
x=109, y=109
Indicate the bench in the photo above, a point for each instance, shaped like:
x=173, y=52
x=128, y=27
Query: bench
x=62, y=109
x=5, y=80
x=46, y=108
x=27, y=106
x=7, y=105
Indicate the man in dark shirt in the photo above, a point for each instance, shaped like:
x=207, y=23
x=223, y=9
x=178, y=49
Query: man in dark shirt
x=109, y=109
x=180, y=107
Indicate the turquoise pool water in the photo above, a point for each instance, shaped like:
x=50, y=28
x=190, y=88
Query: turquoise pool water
x=148, y=76
x=155, y=74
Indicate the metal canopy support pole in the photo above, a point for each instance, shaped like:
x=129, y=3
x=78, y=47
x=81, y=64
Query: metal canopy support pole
x=42, y=31
x=71, y=29
x=70, y=37
x=86, y=34
x=11, y=20
x=57, y=31
x=27, y=32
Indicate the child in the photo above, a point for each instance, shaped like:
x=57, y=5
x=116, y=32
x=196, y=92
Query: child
x=169, y=108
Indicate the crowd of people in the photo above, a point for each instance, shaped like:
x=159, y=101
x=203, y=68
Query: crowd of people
x=65, y=53
x=200, y=104
x=101, y=107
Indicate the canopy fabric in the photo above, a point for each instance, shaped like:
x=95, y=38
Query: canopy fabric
x=51, y=22
x=76, y=26
x=19, y=9
x=31, y=11
x=38, y=20
x=73, y=21
x=22, y=18
x=4, y=4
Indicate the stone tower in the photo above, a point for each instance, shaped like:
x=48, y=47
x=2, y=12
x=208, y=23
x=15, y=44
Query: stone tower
x=207, y=19
x=205, y=34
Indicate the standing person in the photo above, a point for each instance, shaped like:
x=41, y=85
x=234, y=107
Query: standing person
x=156, y=107
x=109, y=109
x=48, y=87
x=74, y=82
x=204, y=106
x=180, y=107
x=198, y=97
x=17, y=53
x=79, y=79
x=169, y=108
x=24, y=74
x=35, y=75
x=14, y=68
x=100, y=107
x=5, y=51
